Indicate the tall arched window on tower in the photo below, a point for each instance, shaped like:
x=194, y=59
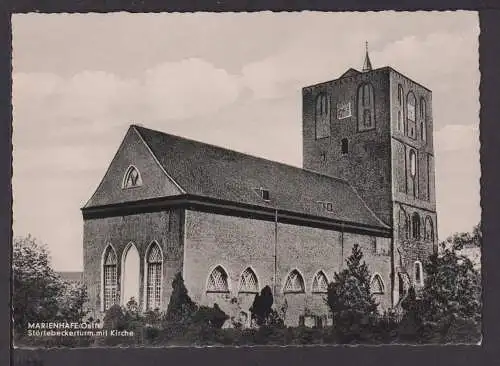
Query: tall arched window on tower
x=400, y=107
x=366, y=107
x=423, y=119
x=411, y=104
x=419, y=273
x=415, y=225
x=413, y=173
x=403, y=225
x=322, y=116
x=154, y=264
x=429, y=229
x=110, y=281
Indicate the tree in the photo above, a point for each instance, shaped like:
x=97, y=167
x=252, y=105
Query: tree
x=452, y=291
x=262, y=306
x=39, y=293
x=458, y=241
x=181, y=308
x=349, y=296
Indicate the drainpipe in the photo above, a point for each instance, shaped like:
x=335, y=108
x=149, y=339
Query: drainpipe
x=341, y=246
x=275, y=249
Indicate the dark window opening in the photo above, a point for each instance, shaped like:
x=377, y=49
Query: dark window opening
x=265, y=194
x=415, y=223
x=345, y=146
x=418, y=275
x=400, y=95
x=367, y=118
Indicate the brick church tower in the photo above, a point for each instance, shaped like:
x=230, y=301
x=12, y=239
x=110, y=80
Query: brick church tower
x=374, y=128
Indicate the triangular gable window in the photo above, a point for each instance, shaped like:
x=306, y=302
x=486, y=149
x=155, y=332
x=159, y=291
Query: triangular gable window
x=132, y=178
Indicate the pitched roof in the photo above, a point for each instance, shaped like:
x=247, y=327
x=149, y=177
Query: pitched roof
x=350, y=72
x=71, y=276
x=214, y=172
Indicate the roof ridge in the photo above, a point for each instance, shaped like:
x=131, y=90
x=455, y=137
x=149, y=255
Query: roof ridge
x=367, y=207
x=135, y=128
x=239, y=152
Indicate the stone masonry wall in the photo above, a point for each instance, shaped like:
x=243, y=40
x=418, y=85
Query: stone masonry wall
x=237, y=243
x=140, y=229
x=367, y=165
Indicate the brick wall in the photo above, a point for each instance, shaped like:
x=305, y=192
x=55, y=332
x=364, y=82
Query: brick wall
x=367, y=166
x=140, y=229
x=237, y=243
x=134, y=152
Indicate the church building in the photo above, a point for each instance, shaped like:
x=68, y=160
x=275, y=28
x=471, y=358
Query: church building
x=232, y=223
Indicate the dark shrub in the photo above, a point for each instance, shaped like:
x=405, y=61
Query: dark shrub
x=180, y=308
x=213, y=317
x=262, y=306
x=115, y=318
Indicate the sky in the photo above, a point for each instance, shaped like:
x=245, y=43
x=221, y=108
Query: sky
x=234, y=80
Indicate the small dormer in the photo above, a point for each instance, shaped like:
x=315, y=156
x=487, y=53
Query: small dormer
x=263, y=194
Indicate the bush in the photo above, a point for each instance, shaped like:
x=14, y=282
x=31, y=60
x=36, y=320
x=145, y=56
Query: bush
x=262, y=306
x=211, y=317
x=181, y=308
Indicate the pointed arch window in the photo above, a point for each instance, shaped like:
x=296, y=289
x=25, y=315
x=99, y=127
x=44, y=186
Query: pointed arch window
x=294, y=283
x=429, y=229
x=320, y=283
x=413, y=163
x=322, y=116
x=130, y=274
x=403, y=224
x=154, y=264
x=248, y=282
x=415, y=225
x=218, y=281
x=411, y=104
x=419, y=274
x=400, y=96
x=377, y=285
x=366, y=107
x=423, y=121
x=400, y=105
x=132, y=178
x=109, y=278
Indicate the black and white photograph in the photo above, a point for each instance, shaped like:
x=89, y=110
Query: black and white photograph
x=246, y=179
